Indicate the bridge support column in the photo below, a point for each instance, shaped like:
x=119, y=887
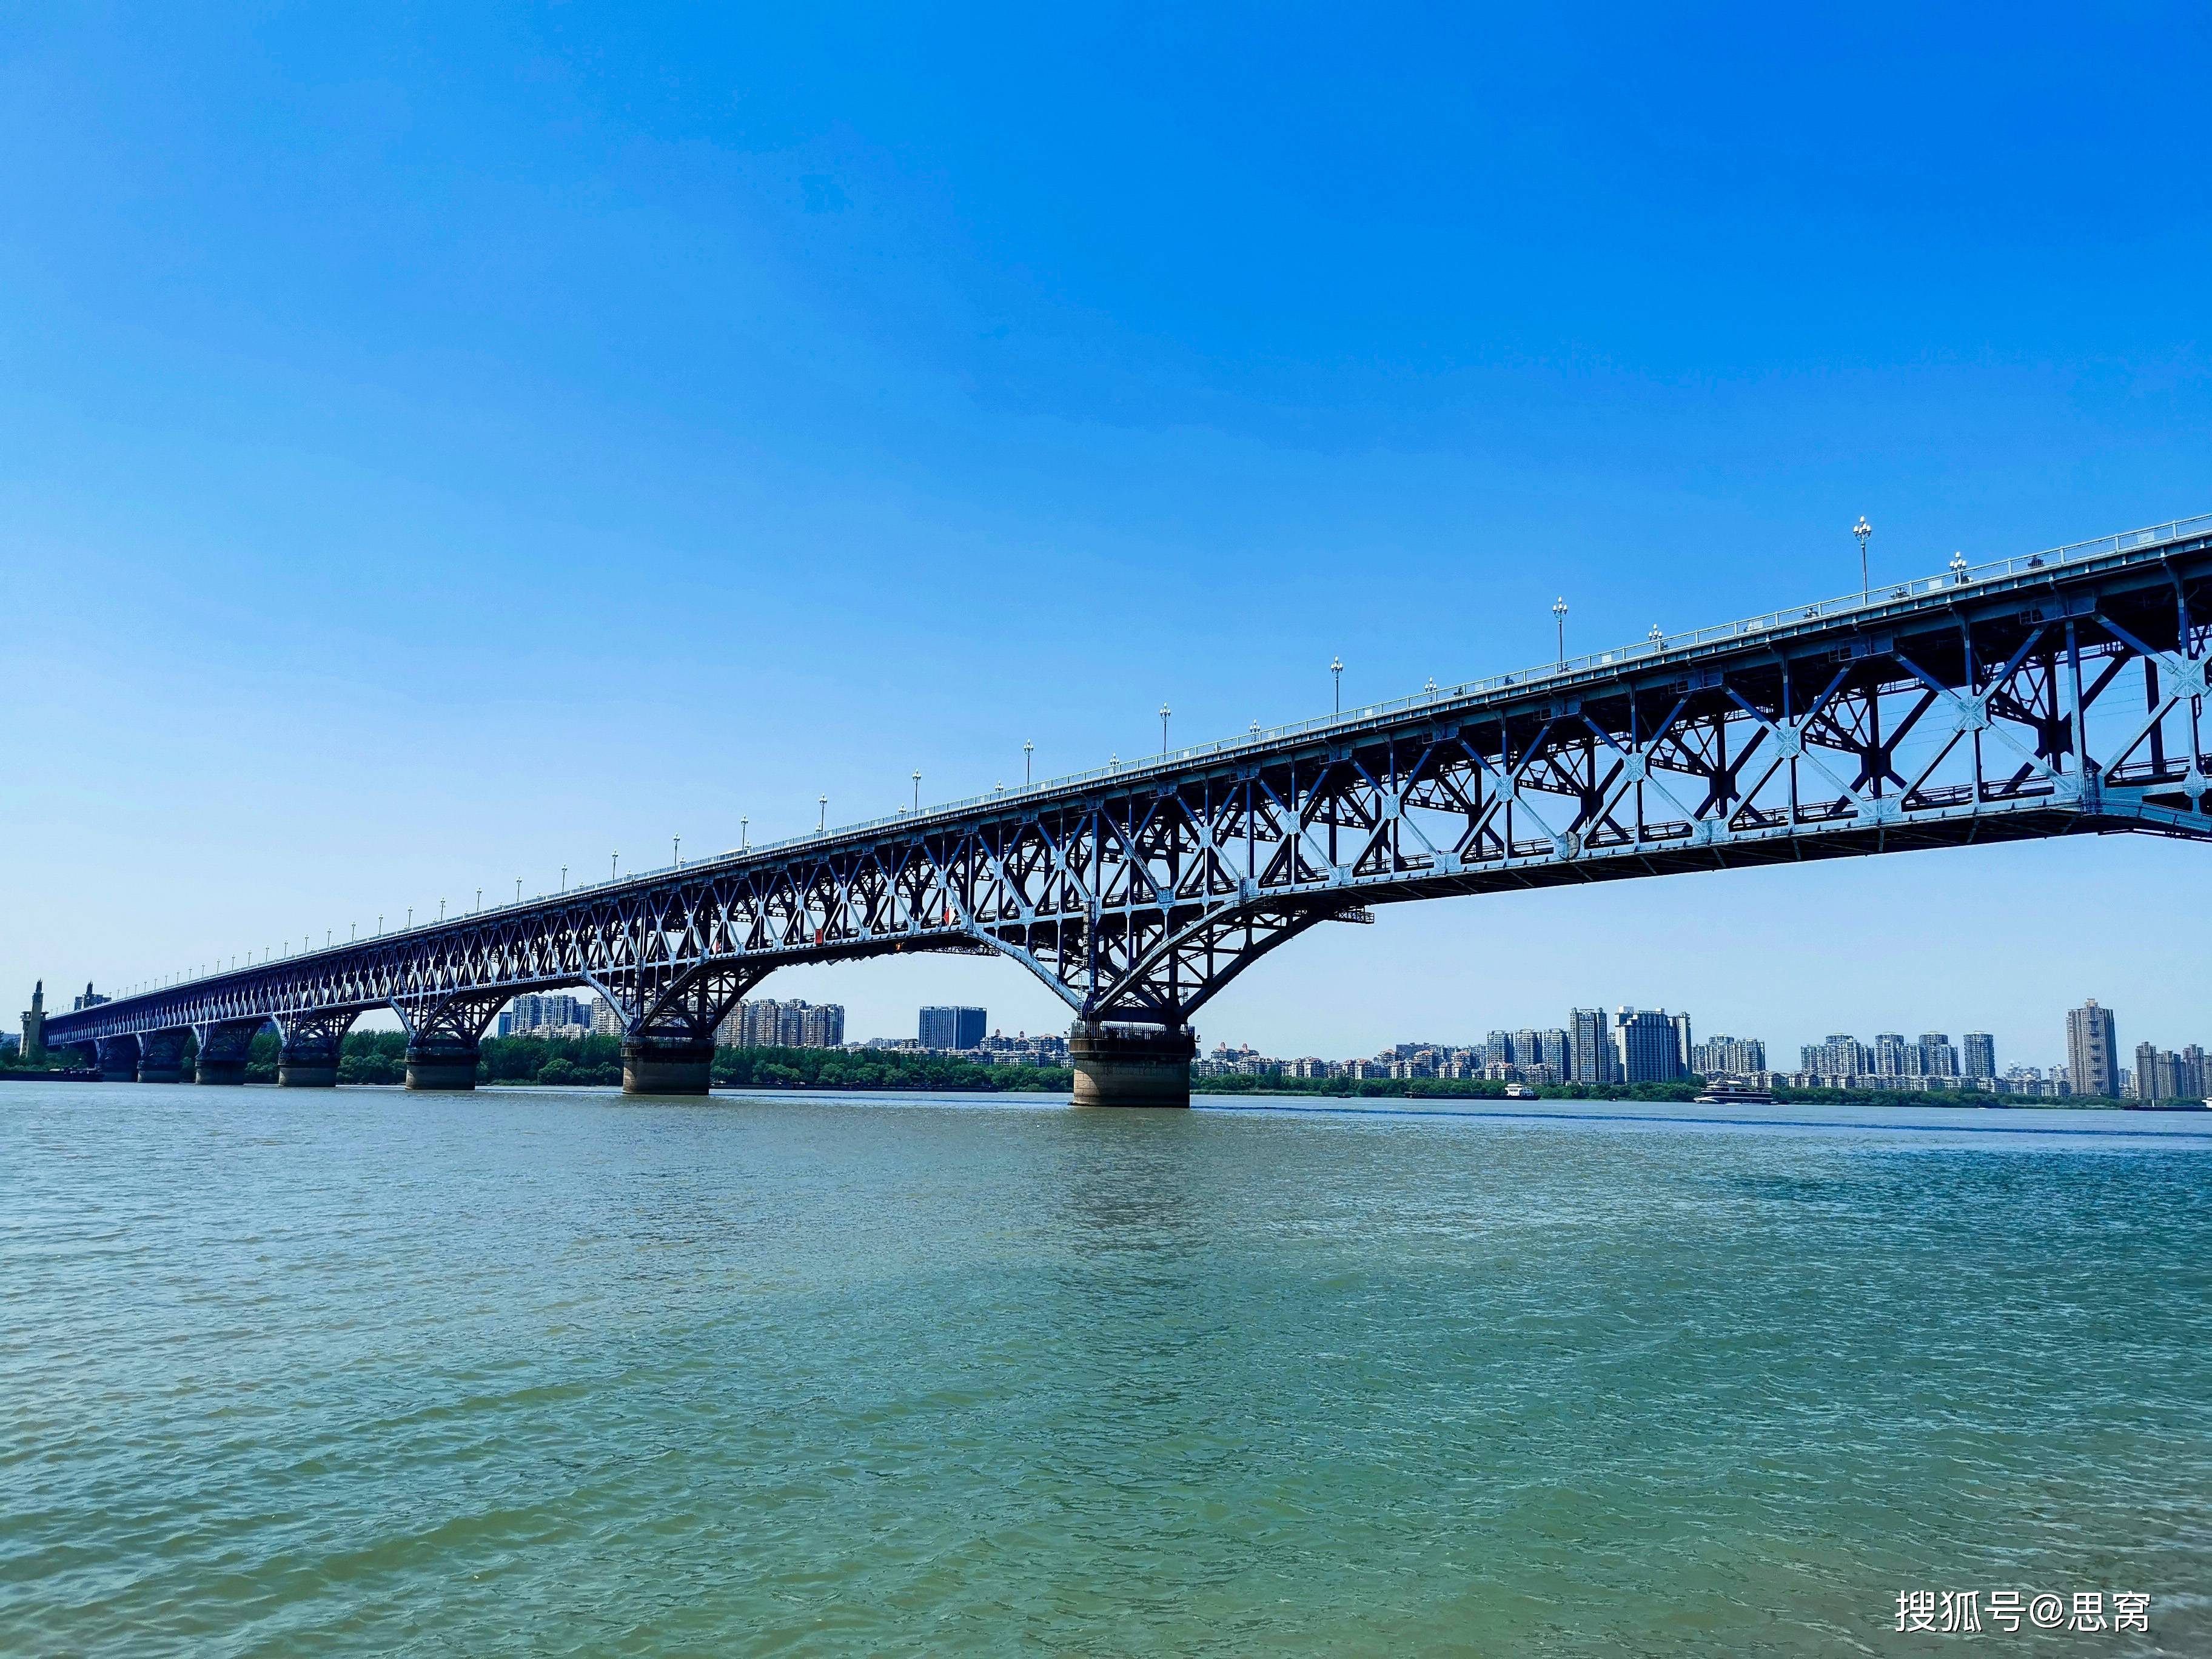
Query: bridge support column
x=441, y=1059
x=308, y=1062
x=223, y=1048
x=667, y=1066
x=1131, y=1064
x=118, y=1058
x=309, y=1046
x=162, y=1057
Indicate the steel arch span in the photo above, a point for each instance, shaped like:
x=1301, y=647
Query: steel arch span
x=2059, y=693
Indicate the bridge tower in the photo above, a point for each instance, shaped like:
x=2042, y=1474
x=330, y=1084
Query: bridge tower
x=34, y=1023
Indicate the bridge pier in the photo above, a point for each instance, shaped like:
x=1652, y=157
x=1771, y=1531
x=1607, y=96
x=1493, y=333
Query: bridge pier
x=308, y=1062
x=118, y=1058
x=1131, y=1064
x=224, y=1045
x=308, y=1049
x=162, y=1057
x=442, y=1060
x=667, y=1064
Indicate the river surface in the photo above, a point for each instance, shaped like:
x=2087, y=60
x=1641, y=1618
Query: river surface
x=537, y=1372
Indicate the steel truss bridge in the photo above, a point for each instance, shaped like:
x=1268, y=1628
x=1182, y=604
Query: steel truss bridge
x=2057, y=694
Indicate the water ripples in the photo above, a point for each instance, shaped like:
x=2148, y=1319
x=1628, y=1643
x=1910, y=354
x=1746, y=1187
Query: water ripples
x=548, y=1373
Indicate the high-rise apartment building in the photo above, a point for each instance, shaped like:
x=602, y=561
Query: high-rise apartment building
x=769, y=1024
x=945, y=1030
x=1726, y=1056
x=1840, y=1054
x=1980, y=1055
x=1591, y=1055
x=1682, y=1044
x=1937, y=1057
x=2093, y=1050
x=2163, y=1074
x=1648, y=1040
x=1892, y=1055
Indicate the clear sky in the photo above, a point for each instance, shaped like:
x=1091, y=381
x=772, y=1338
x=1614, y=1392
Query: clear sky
x=441, y=443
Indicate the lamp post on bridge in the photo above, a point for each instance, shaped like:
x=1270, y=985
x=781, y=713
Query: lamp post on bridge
x=479, y=901
x=917, y=794
x=1862, y=530
x=1336, y=671
x=822, y=820
x=1165, y=712
x=678, y=852
x=744, y=834
x=614, y=863
x=1559, y=615
x=1028, y=749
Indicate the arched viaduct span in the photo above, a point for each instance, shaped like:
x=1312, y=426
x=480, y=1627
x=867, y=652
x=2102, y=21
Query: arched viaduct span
x=2055, y=694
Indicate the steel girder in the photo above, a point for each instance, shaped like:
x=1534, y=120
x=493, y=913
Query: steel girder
x=2066, y=701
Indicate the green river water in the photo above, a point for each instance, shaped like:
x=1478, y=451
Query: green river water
x=532, y=1372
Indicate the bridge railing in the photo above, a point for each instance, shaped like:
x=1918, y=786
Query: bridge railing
x=1874, y=598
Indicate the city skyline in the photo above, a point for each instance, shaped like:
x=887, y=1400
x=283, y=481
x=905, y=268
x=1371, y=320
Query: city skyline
x=1885, y=1055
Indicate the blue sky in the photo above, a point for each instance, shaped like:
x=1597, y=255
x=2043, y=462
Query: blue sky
x=437, y=448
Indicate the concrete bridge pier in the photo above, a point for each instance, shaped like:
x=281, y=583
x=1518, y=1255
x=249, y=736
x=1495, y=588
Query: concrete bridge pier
x=223, y=1047
x=118, y=1058
x=1118, y=1065
x=308, y=1062
x=162, y=1057
x=442, y=1060
x=308, y=1049
x=667, y=1064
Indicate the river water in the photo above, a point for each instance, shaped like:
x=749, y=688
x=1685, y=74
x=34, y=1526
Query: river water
x=363, y=1372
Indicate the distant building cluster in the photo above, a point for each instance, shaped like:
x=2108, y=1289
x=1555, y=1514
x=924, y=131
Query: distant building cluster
x=1650, y=1045
x=1629, y=1045
x=554, y=1014
x=1929, y=1060
x=958, y=1033
x=769, y=1024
